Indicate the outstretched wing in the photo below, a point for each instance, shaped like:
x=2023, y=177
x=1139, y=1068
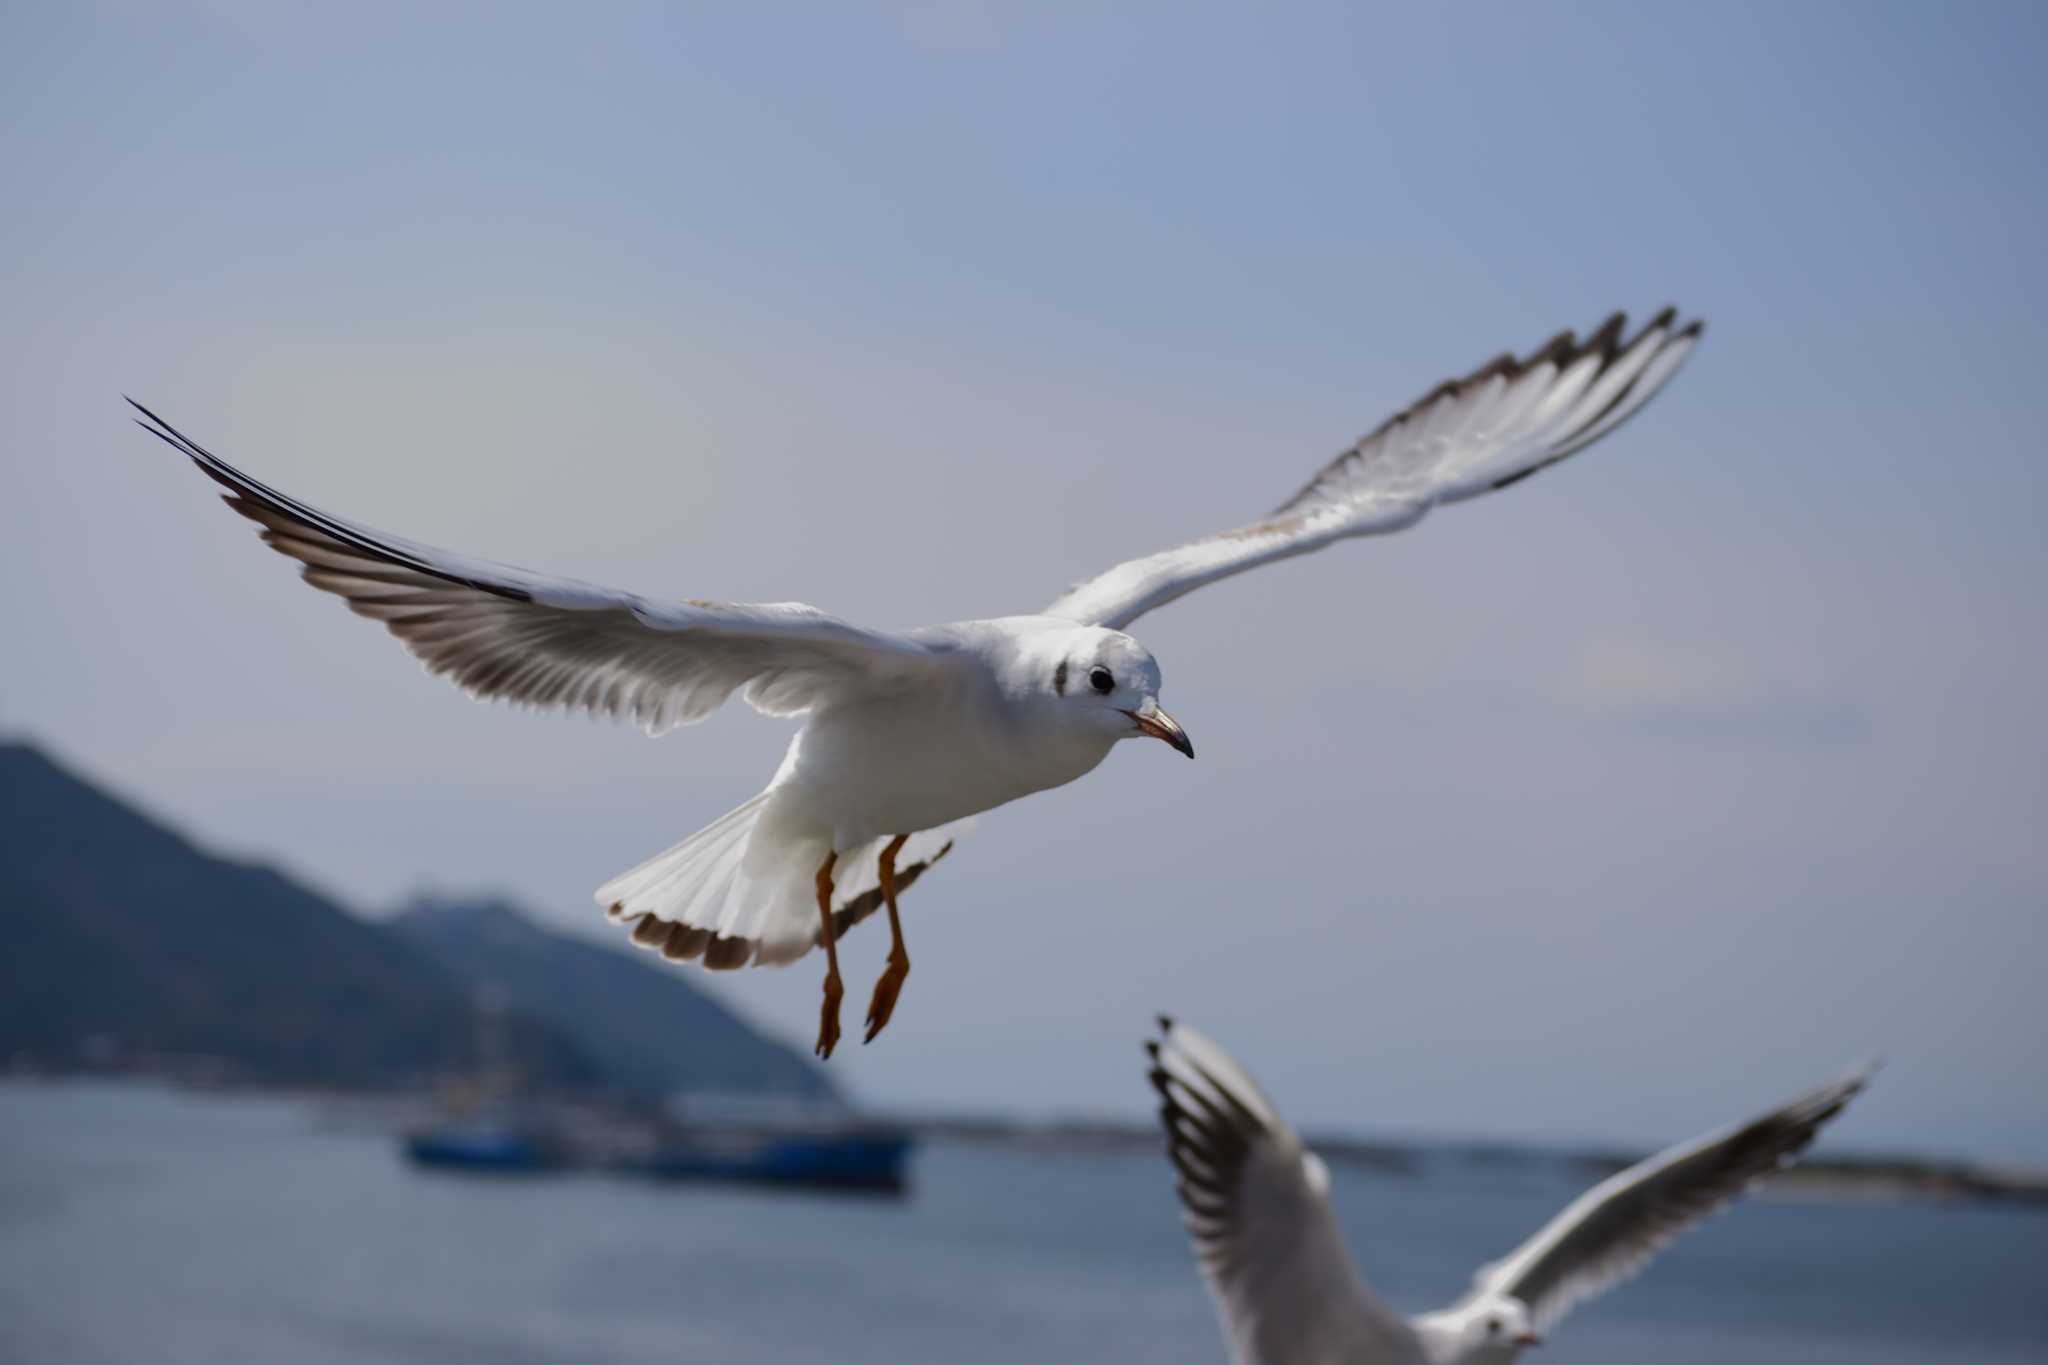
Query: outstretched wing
x=504, y=633
x=1257, y=1208
x=1614, y=1229
x=1496, y=426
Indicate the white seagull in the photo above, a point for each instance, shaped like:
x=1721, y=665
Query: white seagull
x=908, y=732
x=1257, y=1207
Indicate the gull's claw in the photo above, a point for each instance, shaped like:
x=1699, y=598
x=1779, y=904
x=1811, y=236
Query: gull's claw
x=828, y=1017
x=886, y=990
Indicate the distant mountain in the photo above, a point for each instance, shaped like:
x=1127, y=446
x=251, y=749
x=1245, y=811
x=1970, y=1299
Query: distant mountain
x=651, y=1030
x=121, y=942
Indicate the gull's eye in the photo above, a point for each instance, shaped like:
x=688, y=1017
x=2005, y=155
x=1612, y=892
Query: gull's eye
x=1493, y=1327
x=1099, y=678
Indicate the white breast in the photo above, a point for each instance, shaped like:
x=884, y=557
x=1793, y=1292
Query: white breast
x=896, y=765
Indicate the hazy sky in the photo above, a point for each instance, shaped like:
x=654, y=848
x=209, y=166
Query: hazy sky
x=1614, y=806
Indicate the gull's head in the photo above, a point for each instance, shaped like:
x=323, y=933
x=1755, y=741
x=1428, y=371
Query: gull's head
x=1108, y=683
x=1489, y=1330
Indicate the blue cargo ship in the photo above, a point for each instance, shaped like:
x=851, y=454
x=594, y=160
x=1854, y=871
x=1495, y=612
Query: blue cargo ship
x=848, y=1158
x=490, y=1143
x=828, y=1150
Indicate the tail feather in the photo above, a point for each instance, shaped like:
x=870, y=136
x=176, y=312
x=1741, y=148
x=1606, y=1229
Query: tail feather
x=657, y=881
x=729, y=899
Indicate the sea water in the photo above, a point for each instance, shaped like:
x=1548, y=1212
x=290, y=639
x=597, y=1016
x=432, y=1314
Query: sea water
x=139, y=1224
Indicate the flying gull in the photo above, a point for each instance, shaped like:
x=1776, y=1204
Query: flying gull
x=909, y=732
x=1257, y=1207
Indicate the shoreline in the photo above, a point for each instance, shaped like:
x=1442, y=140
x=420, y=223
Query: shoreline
x=1850, y=1176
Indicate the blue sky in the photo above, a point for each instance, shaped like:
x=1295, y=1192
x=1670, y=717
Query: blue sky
x=1611, y=807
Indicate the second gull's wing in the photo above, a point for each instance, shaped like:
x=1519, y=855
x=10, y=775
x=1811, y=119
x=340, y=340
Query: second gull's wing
x=1614, y=1229
x=1257, y=1207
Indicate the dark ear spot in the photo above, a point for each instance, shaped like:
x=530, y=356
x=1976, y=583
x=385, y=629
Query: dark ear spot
x=1059, y=678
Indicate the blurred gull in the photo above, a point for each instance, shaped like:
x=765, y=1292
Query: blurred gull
x=910, y=732
x=1257, y=1207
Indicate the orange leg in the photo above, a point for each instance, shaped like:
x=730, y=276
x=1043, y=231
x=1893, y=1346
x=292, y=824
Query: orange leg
x=886, y=989
x=828, y=1017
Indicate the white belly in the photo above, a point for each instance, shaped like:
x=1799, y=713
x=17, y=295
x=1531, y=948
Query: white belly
x=898, y=765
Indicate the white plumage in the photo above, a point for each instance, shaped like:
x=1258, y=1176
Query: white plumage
x=909, y=732
x=1257, y=1207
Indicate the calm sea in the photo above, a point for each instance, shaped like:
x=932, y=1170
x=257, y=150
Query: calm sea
x=143, y=1225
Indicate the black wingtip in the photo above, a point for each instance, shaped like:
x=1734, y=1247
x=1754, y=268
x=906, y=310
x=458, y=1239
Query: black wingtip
x=1165, y=1022
x=1668, y=315
x=165, y=432
x=144, y=410
x=1605, y=340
